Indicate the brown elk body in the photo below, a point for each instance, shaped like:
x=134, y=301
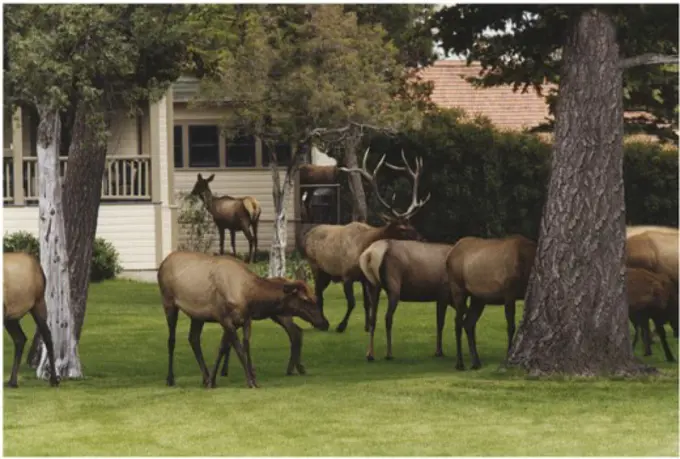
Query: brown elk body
x=229, y=213
x=333, y=250
x=407, y=271
x=634, y=230
x=648, y=298
x=657, y=251
x=223, y=290
x=313, y=174
x=489, y=271
x=23, y=290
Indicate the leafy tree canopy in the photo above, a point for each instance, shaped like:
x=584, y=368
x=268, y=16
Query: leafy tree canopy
x=529, y=54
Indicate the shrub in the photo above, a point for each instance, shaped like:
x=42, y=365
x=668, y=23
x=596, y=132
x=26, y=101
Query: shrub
x=195, y=224
x=105, y=257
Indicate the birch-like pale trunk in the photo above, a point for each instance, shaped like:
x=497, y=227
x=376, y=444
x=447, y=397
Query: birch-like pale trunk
x=53, y=255
x=277, y=251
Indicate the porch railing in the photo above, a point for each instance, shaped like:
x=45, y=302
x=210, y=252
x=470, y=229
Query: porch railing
x=126, y=178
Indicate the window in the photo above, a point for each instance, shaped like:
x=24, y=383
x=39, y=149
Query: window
x=241, y=152
x=204, y=146
x=179, y=159
x=284, y=152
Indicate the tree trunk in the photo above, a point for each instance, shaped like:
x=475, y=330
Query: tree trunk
x=359, y=207
x=575, y=318
x=277, y=251
x=53, y=254
x=82, y=196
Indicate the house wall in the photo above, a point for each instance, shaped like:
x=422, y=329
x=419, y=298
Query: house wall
x=125, y=138
x=240, y=182
x=129, y=227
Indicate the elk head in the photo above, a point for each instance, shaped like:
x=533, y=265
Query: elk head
x=300, y=301
x=201, y=187
x=398, y=226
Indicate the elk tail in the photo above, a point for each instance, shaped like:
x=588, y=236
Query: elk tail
x=253, y=208
x=371, y=260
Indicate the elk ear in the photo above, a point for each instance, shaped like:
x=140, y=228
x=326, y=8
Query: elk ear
x=210, y=179
x=290, y=287
x=200, y=177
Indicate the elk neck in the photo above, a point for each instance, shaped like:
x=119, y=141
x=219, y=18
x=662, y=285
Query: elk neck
x=265, y=298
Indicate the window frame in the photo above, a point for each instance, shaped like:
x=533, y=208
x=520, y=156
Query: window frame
x=235, y=141
x=218, y=145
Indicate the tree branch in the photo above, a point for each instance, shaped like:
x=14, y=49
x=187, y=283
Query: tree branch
x=648, y=59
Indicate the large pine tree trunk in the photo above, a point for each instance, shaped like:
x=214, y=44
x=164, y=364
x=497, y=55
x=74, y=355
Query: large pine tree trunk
x=575, y=319
x=53, y=254
x=82, y=196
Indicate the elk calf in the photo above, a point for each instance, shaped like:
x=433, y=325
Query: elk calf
x=490, y=271
x=223, y=290
x=648, y=298
x=407, y=271
x=23, y=286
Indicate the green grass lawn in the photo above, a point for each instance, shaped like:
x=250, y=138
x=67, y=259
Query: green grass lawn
x=415, y=404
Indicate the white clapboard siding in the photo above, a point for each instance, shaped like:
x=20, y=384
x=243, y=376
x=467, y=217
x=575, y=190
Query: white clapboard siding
x=239, y=183
x=124, y=138
x=130, y=228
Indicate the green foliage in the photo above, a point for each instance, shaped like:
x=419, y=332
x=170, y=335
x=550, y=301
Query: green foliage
x=490, y=183
x=105, y=257
x=195, y=223
x=530, y=56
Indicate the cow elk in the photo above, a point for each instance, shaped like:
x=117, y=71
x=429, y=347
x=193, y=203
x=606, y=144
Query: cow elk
x=224, y=290
x=648, y=298
x=229, y=213
x=23, y=288
x=407, y=271
x=333, y=250
x=489, y=271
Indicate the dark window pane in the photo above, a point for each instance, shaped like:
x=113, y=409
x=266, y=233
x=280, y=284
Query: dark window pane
x=179, y=160
x=284, y=152
x=203, y=146
x=241, y=152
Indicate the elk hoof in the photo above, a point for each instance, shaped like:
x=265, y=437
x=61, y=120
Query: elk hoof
x=389, y=357
x=460, y=366
x=341, y=327
x=54, y=382
x=439, y=353
x=224, y=373
x=170, y=382
x=648, y=353
x=252, y=385
x=301, y=369
x=367, y=328
x=476, y=366
x=370, y=358
x=11, y=384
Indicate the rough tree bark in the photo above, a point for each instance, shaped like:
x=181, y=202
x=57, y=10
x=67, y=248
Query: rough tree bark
x=575, y=319
x=53, y=254
x=359, y=207
x=277, y=251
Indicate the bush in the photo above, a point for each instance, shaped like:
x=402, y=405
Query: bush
x=196, y=224
x=490, y=183
x=105, y=258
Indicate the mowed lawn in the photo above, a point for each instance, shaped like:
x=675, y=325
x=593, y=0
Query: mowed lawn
x=415, y=404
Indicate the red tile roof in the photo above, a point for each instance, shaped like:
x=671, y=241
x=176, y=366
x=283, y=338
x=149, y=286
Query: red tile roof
x=505, y=108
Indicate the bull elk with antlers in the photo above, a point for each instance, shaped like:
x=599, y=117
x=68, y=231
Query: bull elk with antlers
x=242, y=214
x=333, y=250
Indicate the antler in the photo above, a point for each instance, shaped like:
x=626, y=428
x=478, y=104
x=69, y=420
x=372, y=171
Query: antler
x=371, y=178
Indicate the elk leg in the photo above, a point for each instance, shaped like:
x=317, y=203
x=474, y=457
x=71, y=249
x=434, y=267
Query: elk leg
x=195, y=341
x=232, y=336
x=367, y=304
x=658, y=324
x=221, y=232
x=510, y=320
x=471, y=318
x=254, y=226
x=247, y=328
x=393, y=301
x=225, y=365
x=321, y=281
x=33, y=350
x=295, y=337
x=221, y=350
x=460, y=316
x=374, y=296
x=348, y=288
x=441, y=319
x=14, y=329
x=646, y=342
x=636, y=328
x=171, y=313
x=232, y=234
x=249, y=237
x=39, y=316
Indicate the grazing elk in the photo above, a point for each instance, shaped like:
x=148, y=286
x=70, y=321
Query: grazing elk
x=648, y=298
x=634, y=230
x=23, y=288
x=242, y=214
x=333, y=250
x=489, y=271
x=224, y=290
x=407, y=271
x=657, y=251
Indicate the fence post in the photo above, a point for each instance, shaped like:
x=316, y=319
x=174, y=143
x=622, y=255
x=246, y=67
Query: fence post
x=18, y=157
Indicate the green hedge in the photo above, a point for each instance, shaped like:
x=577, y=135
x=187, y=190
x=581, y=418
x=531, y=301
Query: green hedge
x=105, y=258
x=489, y=183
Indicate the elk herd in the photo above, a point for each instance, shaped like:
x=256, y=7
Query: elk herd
x=392, y=258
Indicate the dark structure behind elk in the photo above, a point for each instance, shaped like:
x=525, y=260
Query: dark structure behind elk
x=234, y=214
x=224, y=290
x=490, y=271
x=312, y=174
x=23, y=286
x=407, y=271
x=333, y=250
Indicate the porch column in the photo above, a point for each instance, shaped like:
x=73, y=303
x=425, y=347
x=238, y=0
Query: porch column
x=18, y=157
x=162, y=173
